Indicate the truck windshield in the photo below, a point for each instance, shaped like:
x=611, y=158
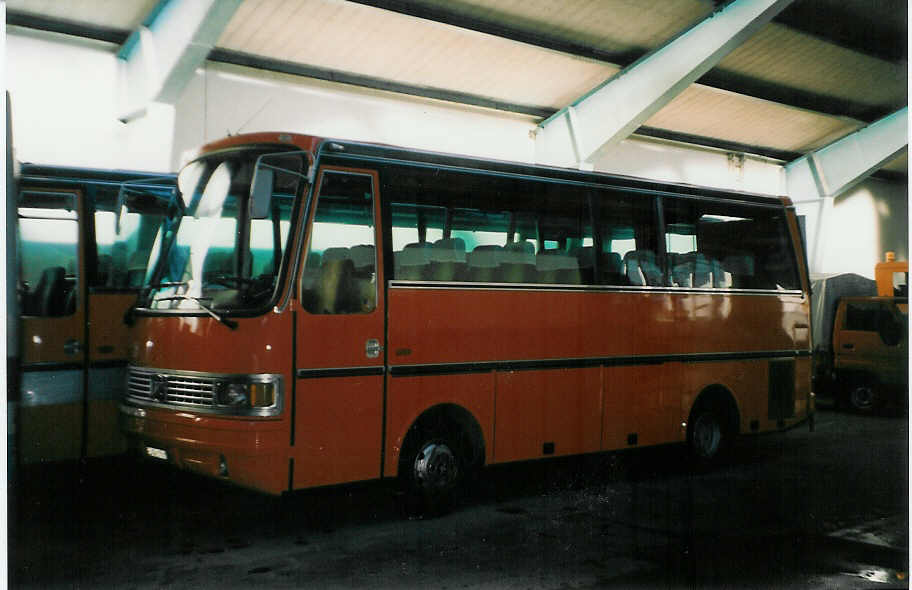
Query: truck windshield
x=217, y=256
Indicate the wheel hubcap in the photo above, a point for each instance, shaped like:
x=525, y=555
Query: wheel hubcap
x=435, y=467
x=707, y=436
x=862, y=397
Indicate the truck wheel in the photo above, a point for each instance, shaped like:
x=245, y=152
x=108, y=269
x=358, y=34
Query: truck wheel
x=861, y=397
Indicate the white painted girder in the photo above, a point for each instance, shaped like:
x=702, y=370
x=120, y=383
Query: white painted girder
x=823, y=175
x=612, y=111
x=837, y=167
x=159, y=61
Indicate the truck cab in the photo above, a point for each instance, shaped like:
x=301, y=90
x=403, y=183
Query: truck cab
x=871, y=351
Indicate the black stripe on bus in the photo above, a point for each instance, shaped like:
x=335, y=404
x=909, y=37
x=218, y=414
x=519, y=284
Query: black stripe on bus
x=340, y=372
x=52, y=366
x=579, y=363
x=109, y=364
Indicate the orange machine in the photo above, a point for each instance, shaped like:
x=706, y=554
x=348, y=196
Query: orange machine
x=329, y=311
x=892, y=277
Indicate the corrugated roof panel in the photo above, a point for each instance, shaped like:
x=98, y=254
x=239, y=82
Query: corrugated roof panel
x=709, y=112
x=367, y=41
x=781, y=55
x=115, y=14
x=608, y=25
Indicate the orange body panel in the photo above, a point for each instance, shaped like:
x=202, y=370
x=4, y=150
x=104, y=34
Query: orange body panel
x=260, y=344
x=645, y=401
x=338, y=430
x=559, y=407
x=108, y=334
x=466, y=325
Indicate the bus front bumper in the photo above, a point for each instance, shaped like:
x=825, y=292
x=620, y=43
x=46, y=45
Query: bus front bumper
x=248, y=452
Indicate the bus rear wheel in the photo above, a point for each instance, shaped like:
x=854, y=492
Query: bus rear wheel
x=709, y=436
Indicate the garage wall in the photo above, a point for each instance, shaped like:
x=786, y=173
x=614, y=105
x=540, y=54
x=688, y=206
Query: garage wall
x=864, y=223
x=66, y=96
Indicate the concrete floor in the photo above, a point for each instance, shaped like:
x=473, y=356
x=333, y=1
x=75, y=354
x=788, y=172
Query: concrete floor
x=827, y=509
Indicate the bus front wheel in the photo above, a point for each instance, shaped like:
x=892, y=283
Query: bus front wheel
x=432, y=472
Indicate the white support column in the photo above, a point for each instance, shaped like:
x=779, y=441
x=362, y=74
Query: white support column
x=612, y=111
x=821, y=176
x=160, y=58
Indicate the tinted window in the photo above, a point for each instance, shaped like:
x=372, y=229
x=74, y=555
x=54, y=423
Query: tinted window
x=49, y=255
x=339, y=273
x=452, y=226
x=627, y=233
x=718, y=245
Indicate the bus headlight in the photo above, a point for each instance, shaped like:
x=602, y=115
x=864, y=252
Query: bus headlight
x=255, y=397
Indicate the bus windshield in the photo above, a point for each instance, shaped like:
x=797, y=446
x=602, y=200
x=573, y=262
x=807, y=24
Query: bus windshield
x=217, y=256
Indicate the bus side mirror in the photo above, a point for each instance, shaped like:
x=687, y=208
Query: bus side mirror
x=261, y=191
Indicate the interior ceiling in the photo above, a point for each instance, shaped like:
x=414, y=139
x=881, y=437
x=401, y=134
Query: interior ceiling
x=820, y=70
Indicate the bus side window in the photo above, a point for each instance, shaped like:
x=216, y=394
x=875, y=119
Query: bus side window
x=486, y=228
x=629, y=249
x=339, y=274
x=49, y=238
x=717, y=245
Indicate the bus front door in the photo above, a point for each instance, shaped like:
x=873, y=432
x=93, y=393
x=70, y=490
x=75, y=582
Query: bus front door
x=53, y=303
x=337, y=428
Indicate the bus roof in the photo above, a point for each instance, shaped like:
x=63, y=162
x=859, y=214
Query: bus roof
x=384, y=152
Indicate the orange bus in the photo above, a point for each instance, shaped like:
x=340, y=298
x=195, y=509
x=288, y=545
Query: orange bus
x=330, y=311
x=84, y=239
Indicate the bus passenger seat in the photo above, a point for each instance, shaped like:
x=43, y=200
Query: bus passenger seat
x=448, y=260
x=364, y=258
x=517, y=263
x=612, y=269
x=556, y=267
x=741, y=269
x=50, y=292
x=413, y=262
x=682, y=269
x=336, y=290
x=585, y=258
x=641, y=268
x=720, y=278
x=483, y=264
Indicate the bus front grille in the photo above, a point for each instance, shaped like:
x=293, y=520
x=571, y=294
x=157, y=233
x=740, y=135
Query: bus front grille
x=170, y=387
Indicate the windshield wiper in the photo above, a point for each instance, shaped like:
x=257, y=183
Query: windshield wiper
x=128, y=316
x=230, y=323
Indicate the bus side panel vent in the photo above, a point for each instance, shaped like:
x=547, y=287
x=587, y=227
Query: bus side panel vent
x=632, y=439
x=548, y=448
x=781, y=389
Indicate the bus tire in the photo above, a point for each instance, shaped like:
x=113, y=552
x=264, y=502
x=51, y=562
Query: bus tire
x=432, y=470
x=710, y=433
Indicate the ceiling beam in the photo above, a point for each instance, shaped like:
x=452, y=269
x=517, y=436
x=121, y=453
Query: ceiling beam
x=162, y=55
x=613, y=110
x=821, y=176
x=835, y=168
